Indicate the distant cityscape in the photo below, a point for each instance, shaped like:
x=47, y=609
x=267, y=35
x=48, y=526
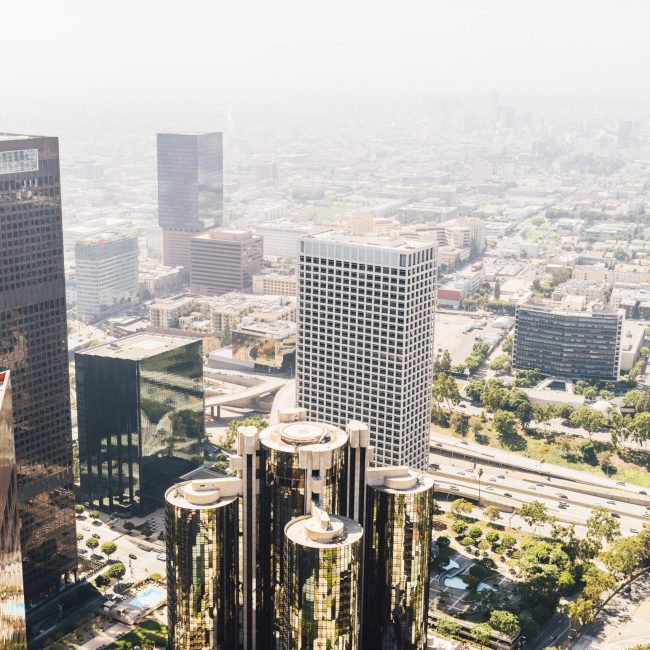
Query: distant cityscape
x=390, y=396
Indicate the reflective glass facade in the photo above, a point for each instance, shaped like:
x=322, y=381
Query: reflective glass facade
x=282, y=497
x=33, y=345
x=12, y=602
x=321, y=598
x=202, y=572
x=396, y=568
x=190, y=181
x=140, y=420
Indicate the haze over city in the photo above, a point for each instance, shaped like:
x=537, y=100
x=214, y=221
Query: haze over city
x=324, y=325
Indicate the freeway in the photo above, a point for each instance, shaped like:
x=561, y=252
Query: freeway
x=509, y=489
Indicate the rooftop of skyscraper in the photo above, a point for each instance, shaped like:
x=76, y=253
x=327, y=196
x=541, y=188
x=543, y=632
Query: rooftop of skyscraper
x=338, y=237
x=139, y=346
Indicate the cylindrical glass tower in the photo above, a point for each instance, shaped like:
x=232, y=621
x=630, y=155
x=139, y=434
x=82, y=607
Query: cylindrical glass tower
x=201, y=521
x=396, y=570
x=301, y=462
x=321, y=600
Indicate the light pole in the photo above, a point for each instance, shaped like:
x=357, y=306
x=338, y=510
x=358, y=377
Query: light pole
x=479, y=473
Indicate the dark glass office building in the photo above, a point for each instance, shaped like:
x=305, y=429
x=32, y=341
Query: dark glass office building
x=12, y=601
x=33, y=345
x=140, y=414
x=190, y=190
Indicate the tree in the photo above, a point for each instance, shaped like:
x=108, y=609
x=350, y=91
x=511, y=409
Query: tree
x=497, y=290
x=79, y=536
x=492, y=514
x=459, y=422
x=461, y=507
x=505, y=424
x=640, y=428
x=445, y=387
x=580, y=611
x=78, y=508
x=481, y=633
x=623, y=557
x=92, y=543
x=475, y=532
x=460, y=527
x=587, y=418
x=447, y=627
x=597, y=582
x=602, y=525
x=508, y=542
x=231, y=432
x=93, y=514
x=525, y=413
x=508, y=344
x=505, y=622
x=501, y=363
x=534, y=513
x=442, y=364
x=108, y=548
x=474, y=389
x=475, y=424
x=543, y=414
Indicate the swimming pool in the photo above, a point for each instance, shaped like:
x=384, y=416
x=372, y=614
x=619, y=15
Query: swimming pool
x=452, y=564
x=484, y=586
x=148, y=598
x=455, y=583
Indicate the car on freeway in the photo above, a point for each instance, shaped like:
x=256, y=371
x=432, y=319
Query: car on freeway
x=634, y=531
x=643, y=492
x=489, y=488
x=133, y=556
x=455, y=488
x=160, y=557
x=562, y=496
x=85, y=528
x=507, y=494
x=492, y=479
x=438, y=444
x=464, y=442
x=501, y=476
x=96, y=535
x=611, y=503
x=616, y=515
x=620, y=482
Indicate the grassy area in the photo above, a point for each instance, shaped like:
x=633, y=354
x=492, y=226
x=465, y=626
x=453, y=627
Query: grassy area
x=630, y=466
x=148, y=632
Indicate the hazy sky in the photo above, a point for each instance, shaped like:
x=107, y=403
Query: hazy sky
x=84, y=53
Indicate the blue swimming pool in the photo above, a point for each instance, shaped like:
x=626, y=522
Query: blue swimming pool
x=455, y=583
x=148, y=598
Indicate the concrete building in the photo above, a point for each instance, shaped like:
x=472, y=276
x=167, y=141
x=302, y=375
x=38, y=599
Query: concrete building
x=275, y=284
x=266, y=346
x=365, y=339
x=106, y=272
x=33, y=345
x=223, y=261
x=568, y=344
x=281, y=237
x=140, y=408
x=190, y=190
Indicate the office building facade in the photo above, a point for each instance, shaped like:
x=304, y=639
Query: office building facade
x=322, y=571
x=33, y=345
x=223, y=261
x=568, y=344
x=12, y=601
x=106, y=272
x=190, y=190
x=365, y=339
x=304, y=491
x=399, y=515
x=140, y=413
x=202, y=522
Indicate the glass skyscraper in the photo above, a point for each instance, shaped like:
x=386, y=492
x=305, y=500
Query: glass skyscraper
x=12, y=602
x=141, y=427
x=190, y=190
x=33, y=345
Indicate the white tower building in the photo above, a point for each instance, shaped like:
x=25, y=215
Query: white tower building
x=365, y=339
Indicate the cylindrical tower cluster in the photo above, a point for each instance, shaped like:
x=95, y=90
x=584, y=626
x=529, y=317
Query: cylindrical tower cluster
x=202, y=524
x=399, y=515
x=302, y=462
x=321, y=600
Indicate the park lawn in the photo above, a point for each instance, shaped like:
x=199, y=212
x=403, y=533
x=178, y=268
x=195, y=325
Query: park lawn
x=149, y=631
x=538, y=448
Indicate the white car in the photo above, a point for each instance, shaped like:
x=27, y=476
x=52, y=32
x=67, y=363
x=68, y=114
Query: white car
x=160, y=557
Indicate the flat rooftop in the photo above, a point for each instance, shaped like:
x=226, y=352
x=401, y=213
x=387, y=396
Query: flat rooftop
x=139, y=346
x=371, y=241
x=16, y=136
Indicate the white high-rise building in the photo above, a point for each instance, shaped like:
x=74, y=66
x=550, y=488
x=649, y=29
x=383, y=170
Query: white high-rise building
x=365, y=339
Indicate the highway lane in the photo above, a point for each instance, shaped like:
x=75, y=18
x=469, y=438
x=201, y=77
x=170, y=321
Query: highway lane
x=510, y=490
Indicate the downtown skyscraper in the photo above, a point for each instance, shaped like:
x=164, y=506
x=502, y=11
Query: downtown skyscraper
x=190, y=190
x=365, y=339
x=33, y=346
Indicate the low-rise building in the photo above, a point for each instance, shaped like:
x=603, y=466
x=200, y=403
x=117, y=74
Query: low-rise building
x=275, y=284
